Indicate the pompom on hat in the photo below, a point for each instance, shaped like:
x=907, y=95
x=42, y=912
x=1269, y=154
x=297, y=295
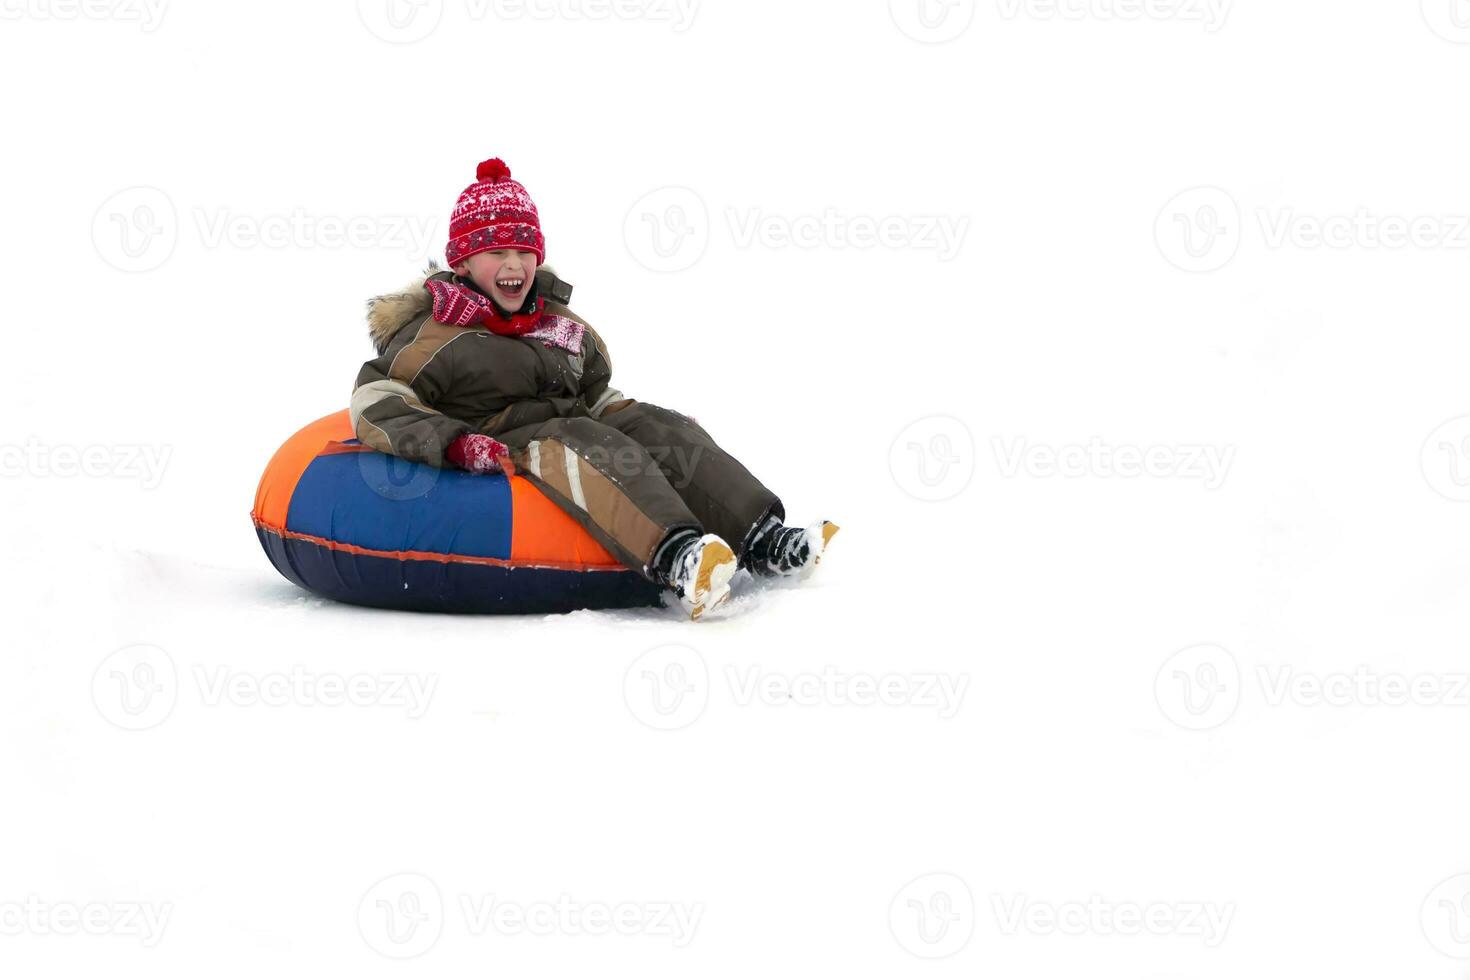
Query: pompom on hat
x=494, y=212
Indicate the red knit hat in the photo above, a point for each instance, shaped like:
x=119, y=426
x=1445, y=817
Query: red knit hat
x=494, y=212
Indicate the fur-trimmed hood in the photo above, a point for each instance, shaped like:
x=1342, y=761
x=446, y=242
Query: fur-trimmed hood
x=387, y=314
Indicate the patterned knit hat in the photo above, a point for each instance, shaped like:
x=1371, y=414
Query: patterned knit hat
x=494, y=212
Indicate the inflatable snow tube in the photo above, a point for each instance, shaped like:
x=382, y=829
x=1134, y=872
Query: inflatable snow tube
x=359, y=526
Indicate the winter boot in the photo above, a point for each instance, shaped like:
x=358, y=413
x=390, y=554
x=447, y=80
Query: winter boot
x=699, y=570
x=778, y=550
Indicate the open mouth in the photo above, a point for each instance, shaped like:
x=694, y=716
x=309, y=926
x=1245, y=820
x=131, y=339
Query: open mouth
x=510, y=287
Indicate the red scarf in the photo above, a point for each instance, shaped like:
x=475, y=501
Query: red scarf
x=461, y=306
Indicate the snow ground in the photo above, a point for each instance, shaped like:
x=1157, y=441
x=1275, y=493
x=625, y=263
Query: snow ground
x=1144, y=726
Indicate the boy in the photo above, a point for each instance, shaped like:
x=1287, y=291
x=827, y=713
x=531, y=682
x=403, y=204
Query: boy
x=486, y=369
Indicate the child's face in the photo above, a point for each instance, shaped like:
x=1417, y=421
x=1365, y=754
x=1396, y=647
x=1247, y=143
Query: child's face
x=503, y=275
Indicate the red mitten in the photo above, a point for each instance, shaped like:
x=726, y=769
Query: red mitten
x=477, y=453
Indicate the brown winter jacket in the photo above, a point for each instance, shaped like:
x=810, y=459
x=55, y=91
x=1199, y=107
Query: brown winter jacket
x=433, y=382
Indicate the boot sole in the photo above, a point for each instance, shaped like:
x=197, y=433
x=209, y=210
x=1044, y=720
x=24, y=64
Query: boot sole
x=717, y=566
x=828, y=531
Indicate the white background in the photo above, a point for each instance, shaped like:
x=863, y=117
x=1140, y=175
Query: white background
x=1229, y=231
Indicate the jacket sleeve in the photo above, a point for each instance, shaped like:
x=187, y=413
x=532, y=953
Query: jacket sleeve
x=597, y=387
x=393, y=400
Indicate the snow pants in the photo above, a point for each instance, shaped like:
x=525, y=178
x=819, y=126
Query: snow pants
x=637, y=475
